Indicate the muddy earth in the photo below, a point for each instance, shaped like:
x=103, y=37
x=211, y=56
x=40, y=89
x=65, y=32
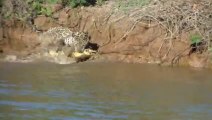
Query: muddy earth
x=116, y=38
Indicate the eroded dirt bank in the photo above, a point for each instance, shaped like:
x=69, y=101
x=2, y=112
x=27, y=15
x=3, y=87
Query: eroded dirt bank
x=120, y=38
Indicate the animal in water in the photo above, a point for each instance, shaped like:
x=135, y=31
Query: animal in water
x=82, y=56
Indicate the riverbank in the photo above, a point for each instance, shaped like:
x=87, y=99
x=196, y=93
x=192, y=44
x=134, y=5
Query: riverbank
x=120, y=36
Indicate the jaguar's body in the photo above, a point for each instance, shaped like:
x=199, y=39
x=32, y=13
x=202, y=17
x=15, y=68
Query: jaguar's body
x=76, y=41
x=59, y=32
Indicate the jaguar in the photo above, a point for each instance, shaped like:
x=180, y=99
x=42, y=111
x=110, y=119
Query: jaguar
x=77, y=41
x=59, y=36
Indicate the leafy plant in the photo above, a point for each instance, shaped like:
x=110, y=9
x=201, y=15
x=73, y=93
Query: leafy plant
x=52, y=1
x=1, y=2
x=127, y=5
x=100, y=2
x=7, y=15
x=36, y=6
x=40, y=10
x=75, y=3
x=195, y=39
x=46, y=11
x=210, y=49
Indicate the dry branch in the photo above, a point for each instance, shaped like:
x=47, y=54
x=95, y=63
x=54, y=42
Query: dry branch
x=177, y=17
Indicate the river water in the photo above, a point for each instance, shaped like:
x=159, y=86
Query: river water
x=103, y=91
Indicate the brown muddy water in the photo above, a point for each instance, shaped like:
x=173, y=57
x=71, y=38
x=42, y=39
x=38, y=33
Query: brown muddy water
x=103, y=91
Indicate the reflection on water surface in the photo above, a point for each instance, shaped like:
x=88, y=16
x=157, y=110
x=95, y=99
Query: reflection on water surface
x=103, y=91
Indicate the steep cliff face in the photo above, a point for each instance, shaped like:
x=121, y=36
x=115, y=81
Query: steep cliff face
x=120, y=38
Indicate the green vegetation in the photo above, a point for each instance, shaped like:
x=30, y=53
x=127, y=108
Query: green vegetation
x=41, y=10
x=100, y=2
x=28, y=9
x=76, y=3
x=38, y=7
x=1, y=2
x=126, y=5
x=210, y=50
x=195, y=39
x=52, y=1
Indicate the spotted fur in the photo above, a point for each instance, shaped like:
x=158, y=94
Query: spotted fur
x=74, y=40
x=78, y=41
x=59, y=32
